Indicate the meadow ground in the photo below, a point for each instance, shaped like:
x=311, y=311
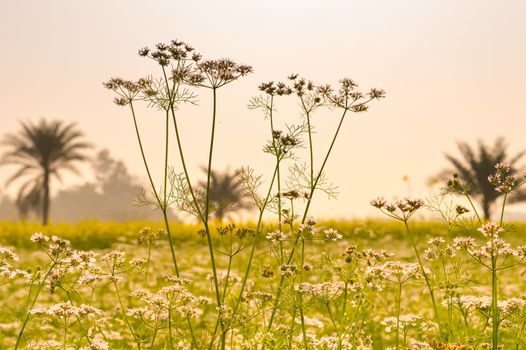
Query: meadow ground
x=374, y=309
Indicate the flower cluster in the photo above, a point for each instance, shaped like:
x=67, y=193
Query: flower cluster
x=502, y=179
x=7, y=271
x=276, y=236
x=396, y=271
x=66, y=310
x=325, y=291
x=408, y=322
x=150, y=237
x=172, y=52
x=401, y=209
x=438, y=249
x=332, y=234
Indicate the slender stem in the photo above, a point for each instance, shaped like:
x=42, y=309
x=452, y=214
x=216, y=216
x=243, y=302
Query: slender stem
x=170, y=336
x=165, y=198
x=309, y=200
x=277, y=157
x=227, y=277
x=519, y=334
x=153, y=337
x=123, y=311
x=502, y=210
x=147, y=264
x=398, y=308
x=311, y=147
x=424, y=273
x=474, y=208
x=143, y=155
x=292, y=328
x=28, y=314
x=333, y=321
x=64, y=346
x=206, y=215
x=255, y=240
x=303, y=330
x=494, y=304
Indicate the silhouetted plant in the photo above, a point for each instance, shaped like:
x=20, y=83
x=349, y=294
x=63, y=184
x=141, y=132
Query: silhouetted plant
x=226, y=193
x=41, y=151
x=476, y=164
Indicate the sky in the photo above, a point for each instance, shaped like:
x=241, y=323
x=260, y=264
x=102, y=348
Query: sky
x=453, y=71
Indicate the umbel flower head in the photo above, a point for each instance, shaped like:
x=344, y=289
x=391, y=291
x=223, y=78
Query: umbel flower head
x=174, y=52
x=502, y=179
x=348, y=98
x=402, y=209
x=211, y=74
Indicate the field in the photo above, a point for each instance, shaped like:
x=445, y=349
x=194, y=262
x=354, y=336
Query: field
x=287, y=280
x=361, y=312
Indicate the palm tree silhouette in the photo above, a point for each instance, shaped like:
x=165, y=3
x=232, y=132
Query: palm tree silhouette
x=476, y=164
x=226, y=194
x=41, y=151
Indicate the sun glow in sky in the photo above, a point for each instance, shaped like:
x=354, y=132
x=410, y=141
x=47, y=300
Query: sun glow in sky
x=453, y=70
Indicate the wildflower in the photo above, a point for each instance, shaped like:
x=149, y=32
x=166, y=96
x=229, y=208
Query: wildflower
x=276, y=236
x=502, y=179
x=39, y=237
x=491, y=230
x=402, y=209
x=438, y=250
x=396, y=271
x=149, y=236
x=379, y=202
x=455, y=185
x=115, y=259
x=332, y=234
x=267, y=272
x=288, y=270
x=65, y=310
x=325, y=291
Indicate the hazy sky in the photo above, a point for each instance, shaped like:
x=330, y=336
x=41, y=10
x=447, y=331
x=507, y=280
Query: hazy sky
x=453, y=70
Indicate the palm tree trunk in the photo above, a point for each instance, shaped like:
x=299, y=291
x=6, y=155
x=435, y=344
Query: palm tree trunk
x=486, y=206
x=45, y=204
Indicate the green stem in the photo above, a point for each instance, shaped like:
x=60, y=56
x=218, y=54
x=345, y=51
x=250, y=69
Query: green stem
x=153, y=337
x=311, y=147
x=398, y=308
x=292, y=328
x=494, y=304
x=255, y=240
x=147, y=264
x=206, y=213
x=142, y=154
x=309, y=200
x=28, y=314
x=334, y=325
x=474, y=208
x=303, y=330
x=123, y=311
x=165, y=199
x=518, y=339
x=277, y=158
x=502, y=210
x=424, y=273
x=227, y=277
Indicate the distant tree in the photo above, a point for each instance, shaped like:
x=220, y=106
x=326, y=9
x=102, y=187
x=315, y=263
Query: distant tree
x=42, y=151
x=476, y=164
x=109, y=197
x=226, y=193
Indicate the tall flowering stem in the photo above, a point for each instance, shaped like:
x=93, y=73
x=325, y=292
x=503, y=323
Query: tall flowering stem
x=211, y=74
x=348, y=99
x=403, y=210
